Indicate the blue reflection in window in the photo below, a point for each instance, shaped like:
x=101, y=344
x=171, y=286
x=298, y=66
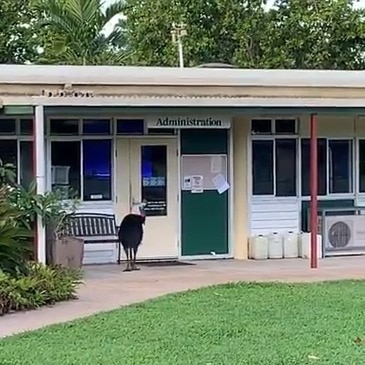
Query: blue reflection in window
x=97, y=166
x=154, y=174
x=96, y=126
x=130, y=126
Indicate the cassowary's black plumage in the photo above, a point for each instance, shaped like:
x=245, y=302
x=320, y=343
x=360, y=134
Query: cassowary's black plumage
x=130, y=236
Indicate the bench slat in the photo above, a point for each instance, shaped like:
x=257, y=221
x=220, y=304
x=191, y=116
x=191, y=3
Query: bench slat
x=95, y=229
x=92, y=225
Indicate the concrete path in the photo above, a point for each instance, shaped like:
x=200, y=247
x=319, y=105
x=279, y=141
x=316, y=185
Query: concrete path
x=107, y=287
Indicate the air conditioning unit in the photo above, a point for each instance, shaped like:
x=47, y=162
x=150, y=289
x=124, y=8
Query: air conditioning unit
x=340, y=232
x=60, y=175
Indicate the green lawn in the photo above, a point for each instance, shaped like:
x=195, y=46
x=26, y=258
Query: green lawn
x=239, y=324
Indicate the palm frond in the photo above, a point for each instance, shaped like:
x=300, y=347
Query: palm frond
x=111, y=11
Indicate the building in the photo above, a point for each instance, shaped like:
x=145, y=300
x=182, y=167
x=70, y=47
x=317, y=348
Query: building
x=220, y=154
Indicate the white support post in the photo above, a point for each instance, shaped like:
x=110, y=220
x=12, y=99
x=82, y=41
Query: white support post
x=40, y=174
x=181, y=53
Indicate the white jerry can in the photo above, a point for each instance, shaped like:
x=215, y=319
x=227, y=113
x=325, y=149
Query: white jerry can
x=305, y=245
x=290, y=245
x=275, y=246
x=258, y=247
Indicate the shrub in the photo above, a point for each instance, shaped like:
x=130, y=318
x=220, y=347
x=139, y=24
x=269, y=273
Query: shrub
x=14, y=238
x=43, y=285
x=19, y=208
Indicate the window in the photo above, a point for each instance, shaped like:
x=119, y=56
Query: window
x=64, y=126
x=281, y=181
x=9, y=154
x=65, y=161
x=7, y=126
x=340, y=166
x=8, y=151
x=162, y=131
x=154, y=179
x=261, y=126
x=26, y=175
x=130, y=126
x=362, y=166
x=322, y=166
x=97, y=170
x=285, y=126
x=94, y=181
x=286, y=167
x=26, y=126
x=262, y=168
x=96, y=126
x=274, y=126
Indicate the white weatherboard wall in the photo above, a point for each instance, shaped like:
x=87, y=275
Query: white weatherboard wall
x=274, y=215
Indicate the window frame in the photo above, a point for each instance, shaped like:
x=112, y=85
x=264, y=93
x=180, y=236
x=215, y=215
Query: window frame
x=80, y=140
x=82, y=176
x=354, y=173
x=273, y=139
x=82, y=126
x=357, y=164
x=113, y=136
x=66, y=135
x=355, y=177
x=18, y=137
x=352, y=161
x=273, y=132
x=125, y=118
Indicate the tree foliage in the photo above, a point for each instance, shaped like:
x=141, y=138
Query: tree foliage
x=18, y=43
x=74, y=32
x=293, y=34
x=320, y=34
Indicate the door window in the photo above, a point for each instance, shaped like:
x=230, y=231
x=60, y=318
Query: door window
x=154, y=179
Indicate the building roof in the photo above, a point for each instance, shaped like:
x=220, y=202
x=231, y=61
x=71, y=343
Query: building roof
x=155, y=76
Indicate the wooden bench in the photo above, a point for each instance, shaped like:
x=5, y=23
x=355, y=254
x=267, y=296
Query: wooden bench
x=95, y=228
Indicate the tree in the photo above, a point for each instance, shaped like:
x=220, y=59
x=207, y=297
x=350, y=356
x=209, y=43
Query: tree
x=315, y=34
x=74, y=32
x=211, y=27
x=293, y=34
x=17, y=41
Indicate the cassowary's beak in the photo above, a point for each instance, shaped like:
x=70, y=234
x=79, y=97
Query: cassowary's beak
x=142, y=207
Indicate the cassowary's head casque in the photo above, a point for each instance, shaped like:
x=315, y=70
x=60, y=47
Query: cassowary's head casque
x=139, y=208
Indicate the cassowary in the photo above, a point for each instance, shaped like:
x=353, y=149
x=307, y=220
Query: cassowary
x=130, y=233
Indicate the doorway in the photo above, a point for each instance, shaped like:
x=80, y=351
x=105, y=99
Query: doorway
x=148, y=169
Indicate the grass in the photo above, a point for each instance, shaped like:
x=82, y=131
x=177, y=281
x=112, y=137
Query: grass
x=266, y=324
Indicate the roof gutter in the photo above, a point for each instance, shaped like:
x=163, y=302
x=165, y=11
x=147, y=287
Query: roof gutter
x=204, y=102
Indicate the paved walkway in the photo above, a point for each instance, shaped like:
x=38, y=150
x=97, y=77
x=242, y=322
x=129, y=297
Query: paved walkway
x=107, y=287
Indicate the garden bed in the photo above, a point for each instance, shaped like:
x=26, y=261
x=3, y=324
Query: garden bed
x=38, y=286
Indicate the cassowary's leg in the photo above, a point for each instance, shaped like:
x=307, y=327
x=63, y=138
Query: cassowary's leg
x=129, y=258
x=134, y=267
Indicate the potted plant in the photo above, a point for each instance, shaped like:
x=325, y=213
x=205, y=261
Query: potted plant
x=55, y=211
x=58, y=213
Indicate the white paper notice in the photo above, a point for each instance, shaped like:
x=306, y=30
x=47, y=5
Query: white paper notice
x=216, y=163
x=220, y=183
x=197, y=184
x=187, y=183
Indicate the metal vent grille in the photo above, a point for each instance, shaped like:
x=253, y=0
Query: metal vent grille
x=339, y=234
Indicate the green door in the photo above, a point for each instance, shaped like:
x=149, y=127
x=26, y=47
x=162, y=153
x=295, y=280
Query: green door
x=204, y=216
